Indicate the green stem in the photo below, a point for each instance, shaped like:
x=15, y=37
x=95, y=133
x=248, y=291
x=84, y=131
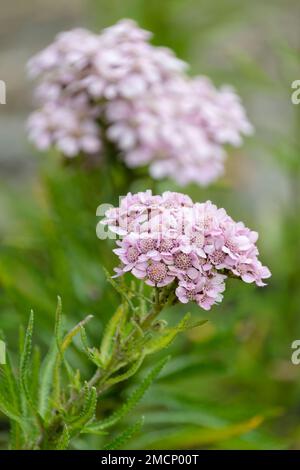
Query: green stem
x=162, y=298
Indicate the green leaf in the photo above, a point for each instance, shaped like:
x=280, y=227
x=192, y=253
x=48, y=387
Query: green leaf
x=195, y=324
x=88, y=410
x=46, y=380
x=125, y=436
x=69, y=337
x=21, y=339
x=35, y=376
x=58, y=322
x=76, y=381
x=25, y=362
x=132, y=401
x=129, y=373
x=27, y=347
x=64, y=439
x=84, y=341
x=9, y=386
x=10, y=403
x=60, y=358
x=165, y=338
x=110, y=335
x=195, y=437
x=8, y=410
x=92, y=353
x=15, y=438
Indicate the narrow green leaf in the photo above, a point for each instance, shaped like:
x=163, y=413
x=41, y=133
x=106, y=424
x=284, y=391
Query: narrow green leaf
x=195, y=437
x=8, y=410
x=26, y=373
x=84, y=340
x=25, y=362
x=109, y=338
x=68, y=338
x=15, y=436
x=64, y=439
x=58, y=322
x=76, y=381
x=46, y=380
x=21, y=339
x=60, y=359
x=195, y=324
x=91, y=353
x=10, y=403
x=132, y=401
x=35, y=376
x=9, y=386
x=165, y=338
x=125, y=436
x=88, y=410
x=129, y=373
x=26, y=353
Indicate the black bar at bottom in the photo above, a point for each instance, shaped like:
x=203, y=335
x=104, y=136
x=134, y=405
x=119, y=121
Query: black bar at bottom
x=137, y=458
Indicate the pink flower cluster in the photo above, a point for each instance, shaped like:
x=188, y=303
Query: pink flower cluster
x=178, y=129
x=169, y=238
x=117, y=86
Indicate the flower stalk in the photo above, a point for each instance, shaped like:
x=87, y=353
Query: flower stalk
x=101, y=379
x=67, y=405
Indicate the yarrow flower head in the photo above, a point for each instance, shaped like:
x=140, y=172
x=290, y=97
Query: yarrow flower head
x=169, y=238
x=116, y=86
x=178, y=129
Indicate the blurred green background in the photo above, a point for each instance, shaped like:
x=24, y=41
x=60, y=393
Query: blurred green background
x=231, y=383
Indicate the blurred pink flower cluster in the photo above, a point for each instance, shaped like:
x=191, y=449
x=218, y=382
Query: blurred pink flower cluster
x=169, y=238
x=117, y=86
x=179, y=128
